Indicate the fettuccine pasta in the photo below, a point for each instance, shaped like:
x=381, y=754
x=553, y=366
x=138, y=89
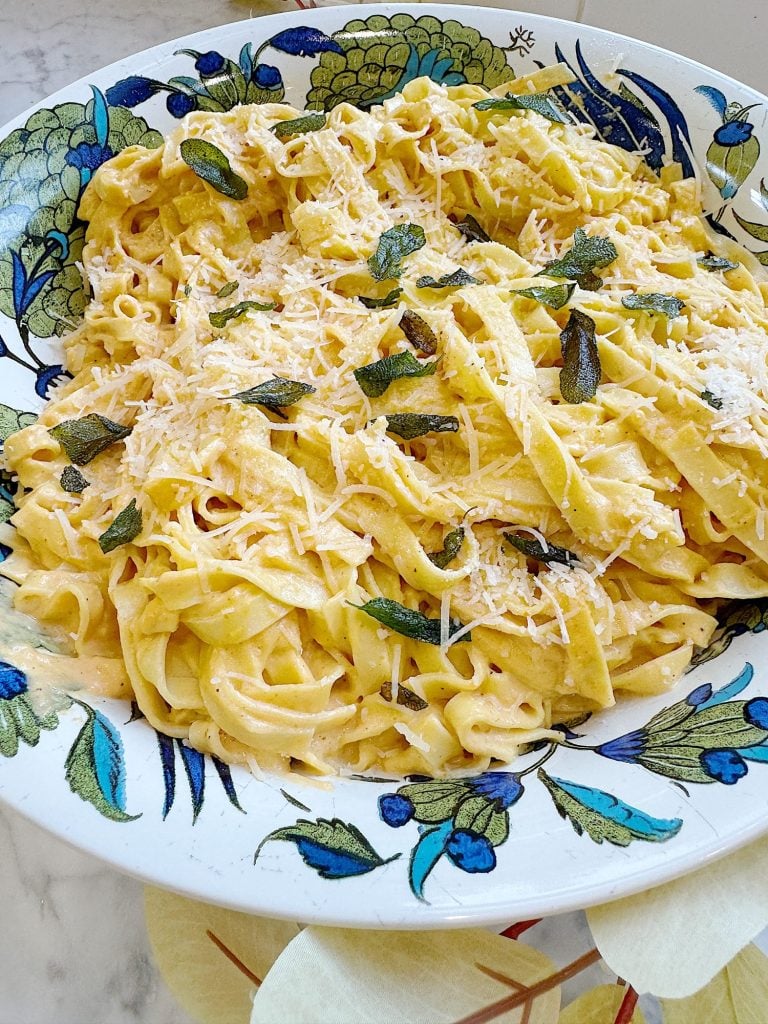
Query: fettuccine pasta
x=247, y=554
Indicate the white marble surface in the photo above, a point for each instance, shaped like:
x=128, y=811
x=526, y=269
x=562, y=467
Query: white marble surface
x=73, y=949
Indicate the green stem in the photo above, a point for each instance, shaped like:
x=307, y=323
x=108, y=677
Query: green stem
x=553, y=746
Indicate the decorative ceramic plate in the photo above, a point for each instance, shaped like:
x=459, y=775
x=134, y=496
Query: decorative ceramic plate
x=642, y=793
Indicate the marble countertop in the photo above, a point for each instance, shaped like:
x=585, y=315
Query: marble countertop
x=73, y=949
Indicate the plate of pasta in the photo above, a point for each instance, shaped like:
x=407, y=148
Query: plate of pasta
x=384, y=413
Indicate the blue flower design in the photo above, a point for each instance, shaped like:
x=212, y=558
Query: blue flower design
x=88, y=156
x=733, y=133
x=304, y=41
x=626, y=748
x=12, y=681
x=179, y=104
x=47, y=376
x=266, y=76
x=503, y=788
x=756, y=712
x=395, y=810
x=210, y=63
x=700, y=695
x=470, y=852
x=726, y=766
x=131, y=91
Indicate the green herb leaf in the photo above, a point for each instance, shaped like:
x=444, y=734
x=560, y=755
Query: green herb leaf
x=710, y=399
x=84, y=439
x=187, y=290
x=405, y=697
x=408, y=622
x=210, y=164
x=126, y=527
x=73, y=481
x=587, y=255
x=533, y=548
x=581, y=370
x=275, y=393
x=712, y=262
x=223, y=316
x=457, y=279
x=451, y=547
x=375, y=378
x=390, y=299
x=472, y=230
x=556, y=297
x=412, y=424
x=298, y=126
x=655, y=302
x=227, y=289
x=394, y=245
x=418, y=332
x=538, y=102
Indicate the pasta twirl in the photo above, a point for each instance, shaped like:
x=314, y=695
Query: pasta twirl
x=418, y=568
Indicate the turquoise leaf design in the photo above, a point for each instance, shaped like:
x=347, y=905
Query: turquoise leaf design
x=426, y=853
x=95, y=767
x=730, y=690
x=332, y=847
x=604, y=816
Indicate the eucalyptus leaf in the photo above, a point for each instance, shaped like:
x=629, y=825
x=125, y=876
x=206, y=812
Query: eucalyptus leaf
x=73, y=481
x=375, y=378
x=407, y=621
x=405, y=697
x=276, y=393
x=533, y=548
x=418, y=332
x=222, y=317
x=581, y=370
x=472, y=230
x=555, y=297
x=655, y=302
x=298, y=126
x=712, y=262
x=390, y=299
x=451, y=547
x=126, y=527
x=394, y=245
x=588, y=253
x=540, y=103
x=456, y=279
x=409, y=425
x=84, y=439
x=209, y=163
x=227, y=289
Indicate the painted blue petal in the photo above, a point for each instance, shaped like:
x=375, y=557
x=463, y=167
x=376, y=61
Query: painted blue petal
x=131, y=91
x=331, y=863
x=108, y=761
x=426, y=853
x=12, y=680
x=245, y=60
x=225, y=775
x=46, y=377
x=626, y=748
x=100, y=116
x=504, y=788
x=19, y=283
x=194, y=765
x=168, y=761
x=678, y=126
x=454, y=78
x=732, y=689
x=759, y=754
x=35, y=286
x=5, y=551
x=61, y=239
x=427, y=62
x=715, y=97
x=614, y=809
x=304, y=41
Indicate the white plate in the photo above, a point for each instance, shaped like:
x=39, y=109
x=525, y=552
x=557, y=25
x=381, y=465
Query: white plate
x=154, y=808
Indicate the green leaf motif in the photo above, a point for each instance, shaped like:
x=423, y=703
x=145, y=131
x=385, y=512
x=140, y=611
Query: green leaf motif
x=212, y=166
x=394, y=245
x=418, y=332
x=580, y=262
x=20, y=722
x=408, y=622
x=451, y=547
x=298, y=126
x=540, y=103
x=386, y=302
x=478, y=814
x=410, y=425
x=581, y=372
x=603, y=816
x=456, y=279
x=84, y=439
x=436, y=800
x=654, y=302
x=375, y=378
x=222, y=317
x=556, y=297
x=94, y=767
x=12, y=420
x=127, y=526
x=332, y=847
x=730, y=166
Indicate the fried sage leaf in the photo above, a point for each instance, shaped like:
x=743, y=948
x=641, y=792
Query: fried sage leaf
x=394, y=245
x=390, y=299
x=533, y=548
x=418, y=332
x=409, y=425
x=275, y=393
x=555, y=297
x=222, y=317
x=713, y=400
x=126, y=527
x=405, y=698
x=408, y=622
x=209, y=163
x=472, y=230
x=538, y=102
x=227, y=289
x=712, y=262
x=73, y=481
x=457, y=279
x=655, y=302
x=579, y=263
x=375, y=378
x=451, y=547
x=298, y=126
x=581, y=370
x=84, y=439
